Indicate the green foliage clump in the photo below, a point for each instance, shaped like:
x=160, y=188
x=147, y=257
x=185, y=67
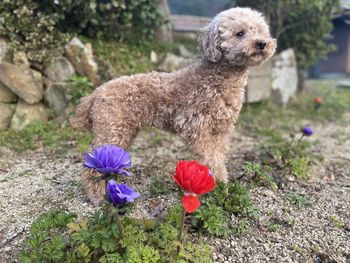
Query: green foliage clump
x=241, y=228
x=336, y=221
x=46, y=242
x=239, y=201
x=98, y=240
x=300, y=167
x=260, y=174
x=213, y=219
x=58, y=139
x=37, y=27
x=218, y=206
x=79, y=87
x=27, y=28
x=301, y=25
x=298, y=200
x=292, y=157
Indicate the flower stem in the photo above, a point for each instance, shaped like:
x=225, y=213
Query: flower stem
x=301, y=137
x=182, y=225
x=289, y=148
x=119, y=223
x=117, y=218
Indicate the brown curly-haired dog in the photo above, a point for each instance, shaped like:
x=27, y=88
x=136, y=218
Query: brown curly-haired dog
x=199, y=103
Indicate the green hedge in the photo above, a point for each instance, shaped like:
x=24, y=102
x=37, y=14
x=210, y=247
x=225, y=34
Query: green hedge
x=38, y=26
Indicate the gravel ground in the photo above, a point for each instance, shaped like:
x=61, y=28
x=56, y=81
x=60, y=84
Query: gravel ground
x=35, y=182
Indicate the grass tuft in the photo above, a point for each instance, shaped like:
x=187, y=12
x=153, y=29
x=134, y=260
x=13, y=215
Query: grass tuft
x=49, y=135
x=256, y=118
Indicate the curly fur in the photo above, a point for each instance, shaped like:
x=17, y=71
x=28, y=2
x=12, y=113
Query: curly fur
x=199, y=103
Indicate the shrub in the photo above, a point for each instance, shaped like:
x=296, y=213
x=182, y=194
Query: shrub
x=120, y=19
x=29, y=29
x=38, y=27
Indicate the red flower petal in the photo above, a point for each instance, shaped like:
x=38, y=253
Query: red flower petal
x=190, y=203
x=318, y=100
x=194, y=177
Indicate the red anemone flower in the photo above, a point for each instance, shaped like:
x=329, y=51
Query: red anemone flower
x=194, y=179
x=318, y=100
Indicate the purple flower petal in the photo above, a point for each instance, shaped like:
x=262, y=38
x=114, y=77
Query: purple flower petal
x=120, y=194
x=91, y=161
x=108, y=159
x=307, y=131
x=123, y=172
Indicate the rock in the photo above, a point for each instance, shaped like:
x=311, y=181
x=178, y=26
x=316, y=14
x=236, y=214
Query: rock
x=27, y=113
x=5, y=51
x=55, y=98
x=344, y=84
x=81, y=56
x=184, y=52
x=6, y=95
x=154, y=57
x=259, y=83
x=6, y=113
x=24, y=82
x=284, y=77
x=38, y=79
x=60, y=70
x=173, y=62
x=20, y=59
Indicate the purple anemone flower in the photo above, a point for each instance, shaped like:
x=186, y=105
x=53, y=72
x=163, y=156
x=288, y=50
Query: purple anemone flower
x=307, y=131
x=108, y=159
x=120, y=194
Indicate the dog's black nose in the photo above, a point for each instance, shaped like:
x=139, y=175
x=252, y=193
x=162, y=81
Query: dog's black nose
x=260, y=44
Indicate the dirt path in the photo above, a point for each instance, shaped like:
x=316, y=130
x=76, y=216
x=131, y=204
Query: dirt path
x=35, y=182
x=318, y=232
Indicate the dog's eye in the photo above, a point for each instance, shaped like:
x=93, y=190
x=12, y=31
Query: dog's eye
x=240, y=34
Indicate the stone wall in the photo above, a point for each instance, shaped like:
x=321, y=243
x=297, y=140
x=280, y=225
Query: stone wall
x=276, y=79
x=28, y=94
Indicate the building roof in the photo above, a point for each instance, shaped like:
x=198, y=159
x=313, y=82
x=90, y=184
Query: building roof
x=185, y=23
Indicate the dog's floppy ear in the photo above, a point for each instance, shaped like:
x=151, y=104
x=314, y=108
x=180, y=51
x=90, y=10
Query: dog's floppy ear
x=209, y=43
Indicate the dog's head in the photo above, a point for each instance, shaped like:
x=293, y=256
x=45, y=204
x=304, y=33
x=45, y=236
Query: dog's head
x=239, y=36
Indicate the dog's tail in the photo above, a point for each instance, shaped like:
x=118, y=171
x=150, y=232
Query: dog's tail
x=81, y=118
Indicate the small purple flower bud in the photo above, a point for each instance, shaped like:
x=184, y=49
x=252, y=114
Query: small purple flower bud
x=108, y=159
x=307, y=131
x=120, y=194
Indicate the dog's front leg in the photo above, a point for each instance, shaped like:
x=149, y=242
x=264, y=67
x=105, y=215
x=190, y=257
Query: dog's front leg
x=212, y=151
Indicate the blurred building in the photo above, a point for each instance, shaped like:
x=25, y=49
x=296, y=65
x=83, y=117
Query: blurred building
x=337, y=63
